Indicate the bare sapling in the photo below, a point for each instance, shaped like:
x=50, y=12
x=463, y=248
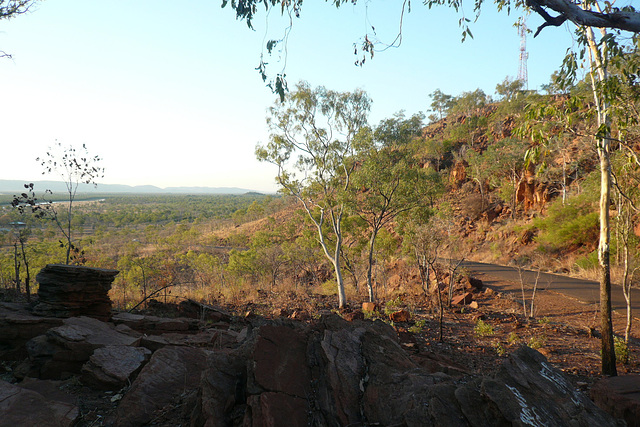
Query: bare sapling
x=440, y=303
x=533, y=294
x=426, y=247
x=453, y=267
x=74, y=167
x=521, y=275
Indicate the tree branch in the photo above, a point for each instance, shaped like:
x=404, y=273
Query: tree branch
x=627, y=20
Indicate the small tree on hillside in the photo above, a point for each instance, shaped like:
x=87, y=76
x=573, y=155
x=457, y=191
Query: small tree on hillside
x=440, y=103
x=425, y=242
x=74, y=167
x=509, y=89
x=469, y=103
x=505, y=161
x=388, y=181
x=317, y=127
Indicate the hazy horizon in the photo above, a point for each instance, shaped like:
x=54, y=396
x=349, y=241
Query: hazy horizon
x=14, y=186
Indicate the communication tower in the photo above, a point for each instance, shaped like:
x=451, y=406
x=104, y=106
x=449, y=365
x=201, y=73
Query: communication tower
x=524, y=55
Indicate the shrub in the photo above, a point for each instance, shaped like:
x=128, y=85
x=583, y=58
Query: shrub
x=499, y=348
x=418, y=326
x=392, y=306
x=483, y=329
x=622, y=350
x=588, y=262
x=513, y=338
x=537, y=342
x=330, y=287
x=574, y=223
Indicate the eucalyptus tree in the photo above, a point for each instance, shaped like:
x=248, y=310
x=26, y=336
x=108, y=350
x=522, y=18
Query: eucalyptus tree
x=440, y=103
x=312, y=143
x=509, y=89
x=388, y=180
x=598, y=72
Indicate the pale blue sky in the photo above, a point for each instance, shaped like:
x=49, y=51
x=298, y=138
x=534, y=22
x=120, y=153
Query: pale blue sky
x=166, y=93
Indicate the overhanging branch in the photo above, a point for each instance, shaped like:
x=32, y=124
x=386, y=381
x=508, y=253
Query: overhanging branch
x=627, y=20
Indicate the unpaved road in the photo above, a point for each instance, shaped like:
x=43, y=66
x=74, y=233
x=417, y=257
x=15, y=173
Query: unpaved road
x=587, y=291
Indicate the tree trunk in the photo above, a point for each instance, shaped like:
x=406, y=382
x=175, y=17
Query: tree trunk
x=27, y=280
x=372, y=243
x=608, y=350
x=337, y=229
x=626, y=284
x=342, y=297
x=16, y=265
x=564, y=180
x=598, y=68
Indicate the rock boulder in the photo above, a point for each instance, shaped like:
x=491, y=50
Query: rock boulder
x=63, y=350
x=69, y=290
x=111, y=367
x=620, y=397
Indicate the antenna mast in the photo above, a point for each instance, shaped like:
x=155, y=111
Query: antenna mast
x=522, y=69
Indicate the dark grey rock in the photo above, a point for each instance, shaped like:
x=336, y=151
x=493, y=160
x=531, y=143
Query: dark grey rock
x=69, y=290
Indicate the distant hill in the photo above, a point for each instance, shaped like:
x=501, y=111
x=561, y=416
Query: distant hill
x=16, y=186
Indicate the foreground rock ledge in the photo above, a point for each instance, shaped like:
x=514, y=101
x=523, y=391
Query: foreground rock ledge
x=260, y=372
x=346, y=373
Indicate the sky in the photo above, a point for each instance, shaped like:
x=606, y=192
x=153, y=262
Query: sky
x=167, y=93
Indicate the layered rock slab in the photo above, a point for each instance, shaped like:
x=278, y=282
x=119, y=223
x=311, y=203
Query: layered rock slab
x=356, y=373
x=70, y=290
x=63, y=350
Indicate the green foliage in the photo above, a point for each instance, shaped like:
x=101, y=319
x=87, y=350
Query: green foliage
x=499, y=348
x=574, y=223
x=588, y=262
x=509, y=89
x=393, y=305
x=483, y=329
x=544, y=321
x=622, y=350
x=537, y=342
x=469, y=103
x=441, y=103
x=370, y=314
x=330, y=287
x=418, y=326
x=513, y=338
